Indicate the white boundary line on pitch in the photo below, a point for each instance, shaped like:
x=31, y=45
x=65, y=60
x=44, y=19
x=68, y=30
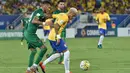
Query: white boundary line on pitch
x=61, y=67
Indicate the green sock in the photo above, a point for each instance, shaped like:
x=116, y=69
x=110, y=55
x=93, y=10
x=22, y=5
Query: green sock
x=64, y=39
x=61, y=58
x=31, y=57
x=41, y=54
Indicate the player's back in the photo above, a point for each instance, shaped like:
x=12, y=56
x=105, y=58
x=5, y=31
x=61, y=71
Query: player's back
x=61, y=20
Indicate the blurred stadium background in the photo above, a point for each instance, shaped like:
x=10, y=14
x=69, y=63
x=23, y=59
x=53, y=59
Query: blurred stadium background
x=113, y=58
x=11, y=12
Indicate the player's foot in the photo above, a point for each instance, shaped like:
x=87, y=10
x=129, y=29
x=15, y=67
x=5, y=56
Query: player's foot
x=34, y=69
x=29, y=71
x=42, y=67
x=100, y=46
x=37, y=71
x=61, y=63
x=21, y=43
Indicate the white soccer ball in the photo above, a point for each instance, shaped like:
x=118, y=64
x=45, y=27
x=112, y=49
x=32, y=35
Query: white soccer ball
x=84, y=65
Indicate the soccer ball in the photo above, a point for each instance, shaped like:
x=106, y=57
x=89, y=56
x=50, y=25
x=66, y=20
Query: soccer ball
x=84, y=65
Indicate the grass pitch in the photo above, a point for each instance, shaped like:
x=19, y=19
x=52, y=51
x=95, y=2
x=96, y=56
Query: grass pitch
x=113, y=58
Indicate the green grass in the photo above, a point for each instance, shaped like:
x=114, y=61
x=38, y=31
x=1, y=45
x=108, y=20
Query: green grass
x=113, y=58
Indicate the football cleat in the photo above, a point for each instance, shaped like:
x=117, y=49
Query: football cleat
x=42, y=67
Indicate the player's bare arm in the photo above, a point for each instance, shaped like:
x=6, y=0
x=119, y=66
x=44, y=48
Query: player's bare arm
x=37, y=21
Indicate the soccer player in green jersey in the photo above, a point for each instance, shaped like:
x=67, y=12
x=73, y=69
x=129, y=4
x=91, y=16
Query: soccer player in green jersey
x=37, y=18
x=24, y=22
x=60, y=9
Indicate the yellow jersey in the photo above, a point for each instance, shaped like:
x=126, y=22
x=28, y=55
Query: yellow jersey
x=101, y=18
x=61, y=20
x=46, y=27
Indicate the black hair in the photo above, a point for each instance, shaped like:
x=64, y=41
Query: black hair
x=46, y=2
x=60, y=1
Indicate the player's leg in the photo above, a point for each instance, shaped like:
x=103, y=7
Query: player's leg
x=22, y=39
x=42, y=52
x=31, y=58
x=63, y=48
x=63, y=35
x=52, y=43
x=61, y=59
x=102, y=33
x=52, y=57
x=38, y=43
x=48, y=55
x=67, y=61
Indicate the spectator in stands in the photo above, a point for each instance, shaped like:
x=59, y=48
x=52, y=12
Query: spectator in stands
x=111, y=6
x=90, y=5
x=127, y=10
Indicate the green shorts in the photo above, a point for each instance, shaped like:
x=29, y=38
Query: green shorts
x=33, y=41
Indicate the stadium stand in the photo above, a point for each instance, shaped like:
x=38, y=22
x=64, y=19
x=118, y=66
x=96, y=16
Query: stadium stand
x=10, y=7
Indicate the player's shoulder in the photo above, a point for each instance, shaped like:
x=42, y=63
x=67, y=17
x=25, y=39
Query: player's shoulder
x=63, y=14
x=56, y=12
x=106, y=13
x=38, y=10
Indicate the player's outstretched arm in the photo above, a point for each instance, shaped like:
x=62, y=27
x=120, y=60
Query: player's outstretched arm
x=37, y=21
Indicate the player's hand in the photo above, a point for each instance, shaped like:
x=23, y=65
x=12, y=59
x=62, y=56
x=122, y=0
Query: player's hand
x=97, y=22
x=58, y=39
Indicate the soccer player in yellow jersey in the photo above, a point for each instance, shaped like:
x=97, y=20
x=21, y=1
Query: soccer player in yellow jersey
x=46, y=30
x=102, y=18
x=55, y=38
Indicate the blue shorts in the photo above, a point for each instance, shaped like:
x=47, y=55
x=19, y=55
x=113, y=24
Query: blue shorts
x=60, y=47
x=102, y=31
x=46, y=32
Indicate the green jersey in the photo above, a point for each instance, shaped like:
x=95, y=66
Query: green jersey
x=58, y=11
x=30, y=32
x=32, y=28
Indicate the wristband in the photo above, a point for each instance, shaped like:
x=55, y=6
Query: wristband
x=58, y=36
x=43, y=23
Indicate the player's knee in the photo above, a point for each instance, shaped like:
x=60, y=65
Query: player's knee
x=43, y=46
x=43, y=49
x=34, y=52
